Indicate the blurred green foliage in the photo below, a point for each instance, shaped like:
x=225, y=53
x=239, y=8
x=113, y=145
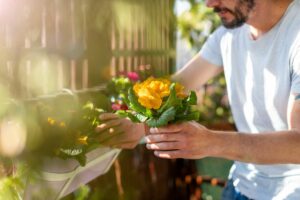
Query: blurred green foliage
x=53, y=127
x=195, y=26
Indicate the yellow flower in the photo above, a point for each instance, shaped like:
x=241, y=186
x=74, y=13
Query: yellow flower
x=180, y=91
x=160, y=87
x=62, y=124
x=83, y=140
x=51, y=121
x=149, y=99
x=151, y=91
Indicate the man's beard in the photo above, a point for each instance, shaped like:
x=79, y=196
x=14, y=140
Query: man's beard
x=239, y=17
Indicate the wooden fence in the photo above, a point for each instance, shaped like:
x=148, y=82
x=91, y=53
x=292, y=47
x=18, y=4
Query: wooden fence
x=47, y=45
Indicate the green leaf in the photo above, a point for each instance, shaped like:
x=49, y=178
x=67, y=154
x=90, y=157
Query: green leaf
x=142, y=118
x=163, y=119
x=82, y=193
x=192, y=98
x=81, y=159
x=125, y=98
x=72, y=152
x=172, y=100
x=89, y=105
x=123, y=113
x=11, y=188
x=188, y=117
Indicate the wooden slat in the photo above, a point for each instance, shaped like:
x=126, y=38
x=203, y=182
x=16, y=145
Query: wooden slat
x=27, y=80
x=73, y=74
x=113, y=67
x=8, y=36
x=45, y=77
x=44, y=26
x=85, y=74
x=73, y=26
x=136, y=26
x=84, y=24
x=60, y=75
x=57, y=23
x=10, y=74
x=60, y=30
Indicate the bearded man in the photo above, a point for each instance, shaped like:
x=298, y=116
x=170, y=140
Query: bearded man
x=258, y=48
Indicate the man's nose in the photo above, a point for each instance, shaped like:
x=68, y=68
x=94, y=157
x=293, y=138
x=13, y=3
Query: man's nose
x=212, y=3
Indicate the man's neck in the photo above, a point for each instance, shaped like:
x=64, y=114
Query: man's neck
x=266, y=15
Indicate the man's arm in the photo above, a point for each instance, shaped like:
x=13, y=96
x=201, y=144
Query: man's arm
x=267, y=148
x=199, y=70
x=191, y=140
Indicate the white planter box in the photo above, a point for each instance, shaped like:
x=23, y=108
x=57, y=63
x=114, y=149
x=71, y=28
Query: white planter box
x=63, y=177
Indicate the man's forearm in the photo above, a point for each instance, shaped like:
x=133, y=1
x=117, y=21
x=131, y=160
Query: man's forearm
x=264, y=148
x=196, y=73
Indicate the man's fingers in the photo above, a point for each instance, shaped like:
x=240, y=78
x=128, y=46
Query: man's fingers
x=108, y=124
x=122, y=143
x=157, y=138
x=165, y=146
x=108, y=116
x=109, y=134
x=170, y=154
x=167, y=129
x=118, y=140
x=196, y=124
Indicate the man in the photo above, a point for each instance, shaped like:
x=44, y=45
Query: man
x=259, y=50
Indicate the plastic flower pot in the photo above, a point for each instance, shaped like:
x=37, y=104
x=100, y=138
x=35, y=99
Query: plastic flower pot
x=61, y=177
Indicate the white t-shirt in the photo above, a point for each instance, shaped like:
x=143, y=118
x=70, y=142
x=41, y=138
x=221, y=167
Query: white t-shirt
x=261, y=74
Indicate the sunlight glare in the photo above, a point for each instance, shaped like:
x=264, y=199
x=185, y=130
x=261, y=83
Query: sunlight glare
x=12, y=137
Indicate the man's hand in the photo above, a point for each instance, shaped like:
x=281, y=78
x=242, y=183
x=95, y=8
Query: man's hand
x=119, y=132
x=188, y=140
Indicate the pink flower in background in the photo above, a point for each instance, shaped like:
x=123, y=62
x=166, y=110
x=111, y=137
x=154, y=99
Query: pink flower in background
x=116, y=106
x=133, y=76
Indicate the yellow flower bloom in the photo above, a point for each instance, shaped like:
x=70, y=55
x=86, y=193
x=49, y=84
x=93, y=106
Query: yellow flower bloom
x=83, y=140
x=180, y=91
x=151, y=92
x=149, y=99
x=62, y=124
x=160, y=87
x=51, y=121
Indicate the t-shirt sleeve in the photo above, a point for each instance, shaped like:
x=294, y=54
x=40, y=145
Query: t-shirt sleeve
x=295, y=76
x=211, y=50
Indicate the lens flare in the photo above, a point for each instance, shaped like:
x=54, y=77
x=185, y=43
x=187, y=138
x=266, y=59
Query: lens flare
x=12, y=137
x=38, y=73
